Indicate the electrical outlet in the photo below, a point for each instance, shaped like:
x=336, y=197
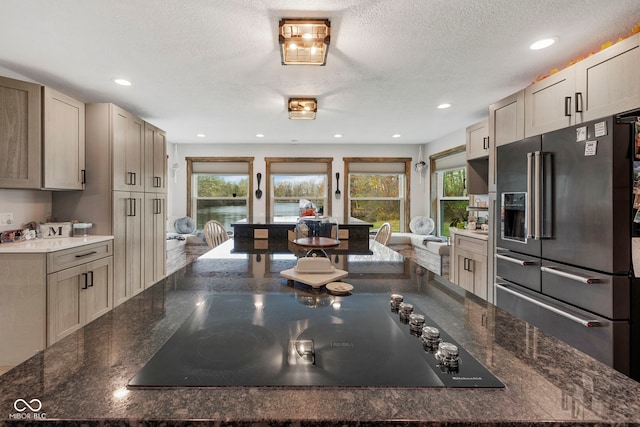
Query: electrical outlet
x=6, y=218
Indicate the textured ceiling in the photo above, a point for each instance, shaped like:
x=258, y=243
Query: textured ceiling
x=213, y=66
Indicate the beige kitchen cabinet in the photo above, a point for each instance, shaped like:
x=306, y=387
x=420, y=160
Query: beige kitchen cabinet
x=478, y=140
x=549, y=103
x=128, y=252
x=127, y=141
x=63, y=141
x=41, y=295
x=506, y=125
x=607, y=83
x=155, y=164
x=20, y=134
x=154, y=238
x=113, y=199
x=469, y=263
x=477, y=158
x=603, y=84
x=78, y=295
x=23, y=306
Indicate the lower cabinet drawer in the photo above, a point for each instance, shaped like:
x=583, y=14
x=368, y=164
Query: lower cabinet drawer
x=469, y=243
x=68, y=258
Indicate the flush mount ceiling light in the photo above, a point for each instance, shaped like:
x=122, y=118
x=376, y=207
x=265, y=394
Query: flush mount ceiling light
x=303, y=108
x=122, y=82
x=304, y=41
x=544, y=43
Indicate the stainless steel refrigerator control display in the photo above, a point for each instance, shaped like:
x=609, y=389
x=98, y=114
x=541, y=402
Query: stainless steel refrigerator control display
x=563, y=255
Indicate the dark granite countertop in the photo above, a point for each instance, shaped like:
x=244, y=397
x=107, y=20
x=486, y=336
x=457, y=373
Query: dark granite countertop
x=81, y=380
x=292, y=220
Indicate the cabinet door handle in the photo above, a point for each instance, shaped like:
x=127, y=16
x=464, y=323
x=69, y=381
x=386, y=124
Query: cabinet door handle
x=567, y=106
x=91, y=279
x=578, y=102
x=86, y=281
x=132, y=207
x=87, y=254
x=134, y=178
x=129, y=178
x=83, y=176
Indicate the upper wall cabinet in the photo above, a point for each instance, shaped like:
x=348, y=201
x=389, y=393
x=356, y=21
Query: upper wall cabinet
x=41, y=138
x=608, y=82
x=548, y=104
x=506, y=125
x=20, y=134
x=63, y=148
x=603, y=84
x=478, y=140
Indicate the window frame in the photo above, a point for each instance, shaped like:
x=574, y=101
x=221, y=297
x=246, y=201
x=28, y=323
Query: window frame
x=270, y=161
x=191, y=200
x=442, y=198
x=433, y=181
x=405, y=199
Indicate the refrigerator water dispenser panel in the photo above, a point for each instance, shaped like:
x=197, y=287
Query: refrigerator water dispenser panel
x=514, y=216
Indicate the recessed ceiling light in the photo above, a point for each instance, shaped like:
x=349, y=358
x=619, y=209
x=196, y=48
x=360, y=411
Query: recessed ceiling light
x=541, y=44
x=337, y=135
x=122, y=82
x=201, y=135
x=443, y=106
x=397, y=135
x=259, y=135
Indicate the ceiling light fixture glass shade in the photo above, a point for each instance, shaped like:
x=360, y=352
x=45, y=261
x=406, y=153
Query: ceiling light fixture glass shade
x=304, y=41
x=302, y=108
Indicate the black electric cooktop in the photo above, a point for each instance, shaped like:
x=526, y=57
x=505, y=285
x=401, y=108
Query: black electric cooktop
x=299, y=341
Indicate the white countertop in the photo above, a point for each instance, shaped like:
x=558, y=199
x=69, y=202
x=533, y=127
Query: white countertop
x=50, y=245
x=476, y=234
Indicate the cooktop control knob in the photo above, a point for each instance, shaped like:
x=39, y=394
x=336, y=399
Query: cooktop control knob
x=430, y=338
x=416, y=322
x=447, y=355
x=405, y=310
x=395, y=301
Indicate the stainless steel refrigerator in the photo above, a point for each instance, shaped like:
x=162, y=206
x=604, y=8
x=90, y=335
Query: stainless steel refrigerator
x=564, y=259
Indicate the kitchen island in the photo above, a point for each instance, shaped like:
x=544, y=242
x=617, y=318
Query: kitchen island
x=84, y=377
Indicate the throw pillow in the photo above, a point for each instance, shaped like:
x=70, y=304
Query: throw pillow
x=421, y=225
x=185, y=225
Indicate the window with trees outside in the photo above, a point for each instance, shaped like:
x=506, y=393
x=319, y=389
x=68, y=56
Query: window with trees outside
x=452, y=198
x=289, y=189
x=449, y=188
x=220, y=189
x=377, y=191
x=292, y=179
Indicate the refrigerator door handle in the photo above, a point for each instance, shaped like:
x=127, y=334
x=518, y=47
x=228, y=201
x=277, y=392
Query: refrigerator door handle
x=576, y=277
x=514, y=260
x=537, y=195
x=528, y=211
x=589, y=323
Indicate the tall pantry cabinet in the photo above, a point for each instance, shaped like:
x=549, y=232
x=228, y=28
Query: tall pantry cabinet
x=117, y=199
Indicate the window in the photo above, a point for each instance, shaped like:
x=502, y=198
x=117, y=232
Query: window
x=377, y=191
x=288, y=190
x=452, y=198
x=449, y=188
x=219, y=189
x=293, y=179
